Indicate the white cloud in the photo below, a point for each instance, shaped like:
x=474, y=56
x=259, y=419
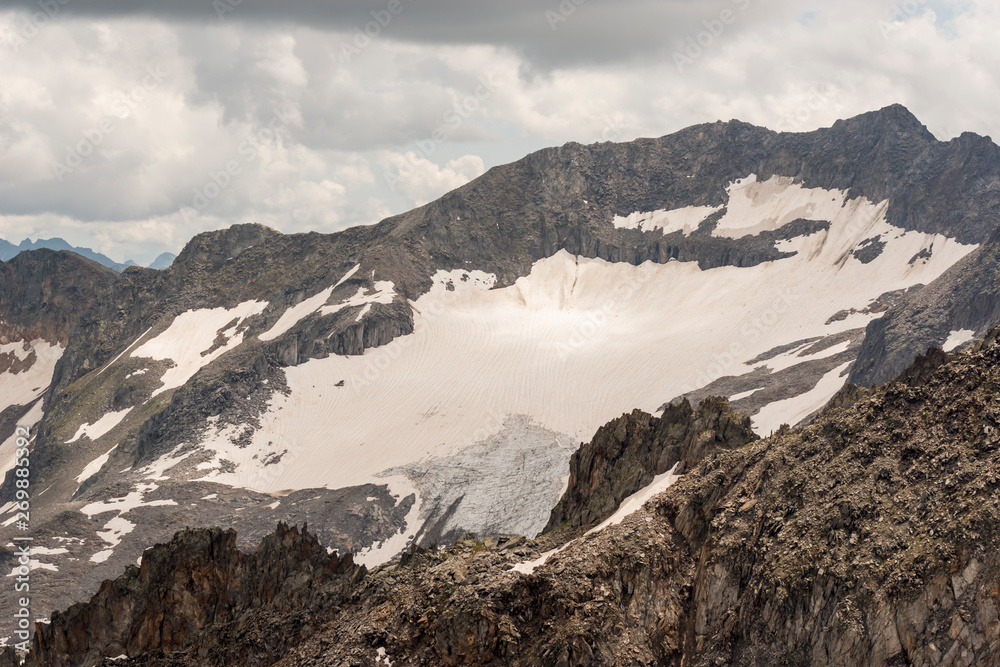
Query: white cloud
x=422, y=180
x=420, y=109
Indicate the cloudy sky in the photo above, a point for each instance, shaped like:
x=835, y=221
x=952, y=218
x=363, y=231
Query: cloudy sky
x=128, y=127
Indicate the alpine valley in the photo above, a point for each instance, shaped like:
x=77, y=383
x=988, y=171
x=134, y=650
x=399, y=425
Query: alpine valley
x=667, y=401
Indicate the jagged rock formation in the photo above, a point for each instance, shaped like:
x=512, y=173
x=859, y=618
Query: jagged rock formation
x=9, y=657
x=868, y=537
x=627, y=453
x=197, y=584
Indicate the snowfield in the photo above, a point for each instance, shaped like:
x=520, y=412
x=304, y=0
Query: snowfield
x=580, y=341
x=568, y=347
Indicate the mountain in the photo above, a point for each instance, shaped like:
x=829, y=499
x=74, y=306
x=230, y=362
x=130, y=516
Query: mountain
x=163, y=261
x=8, y=251
x=43, y=296
x=433, y=375
x=868, y=537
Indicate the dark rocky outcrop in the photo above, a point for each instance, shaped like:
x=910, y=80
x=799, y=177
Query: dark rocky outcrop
x=44, y=294
x=628, y=452
x=9, y=657
x=198, y=583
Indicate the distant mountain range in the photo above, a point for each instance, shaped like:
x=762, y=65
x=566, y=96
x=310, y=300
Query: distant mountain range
x=9, y=251
x=163, y=261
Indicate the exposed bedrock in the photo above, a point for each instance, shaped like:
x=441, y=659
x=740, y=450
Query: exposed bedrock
x=199, y=580
x=627, y=453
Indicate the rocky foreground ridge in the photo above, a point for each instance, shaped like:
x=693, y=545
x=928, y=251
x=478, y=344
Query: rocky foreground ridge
x=869, y=536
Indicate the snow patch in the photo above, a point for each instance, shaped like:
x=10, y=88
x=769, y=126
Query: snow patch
x=189, y=337
x=34, y=564
x=8, y=449
x=113, y=532
x=118, y=526
x=296, y=314
x=125, y=503
x=743, y=394
x=120, y=354
x=957, y=339
x=756, y=206
x=94, y=466
x=684, y=219
x=384, y=292
x=24, y=387
x=157, y=470
x=347, y=276
x=794, y=357
x=634, y=503
x=629, y=506
x=382, y=552
x=793, y=410
x=100, y=427
x=20, y=350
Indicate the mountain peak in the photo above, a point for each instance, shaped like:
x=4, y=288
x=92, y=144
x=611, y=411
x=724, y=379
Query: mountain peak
x=894, y=118
x=216, y=247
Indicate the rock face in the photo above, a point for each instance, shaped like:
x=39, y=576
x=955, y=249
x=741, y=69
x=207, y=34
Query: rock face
x=199, y=581
x=868, y=537
x=44, y=294
x=44, y=298
x=628, y=452
x=966, y=298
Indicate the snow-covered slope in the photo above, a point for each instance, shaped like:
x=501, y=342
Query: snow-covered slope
x=27, y=373
x=577, y=342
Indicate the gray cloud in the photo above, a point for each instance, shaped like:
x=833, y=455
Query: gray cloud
x=550, y=33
